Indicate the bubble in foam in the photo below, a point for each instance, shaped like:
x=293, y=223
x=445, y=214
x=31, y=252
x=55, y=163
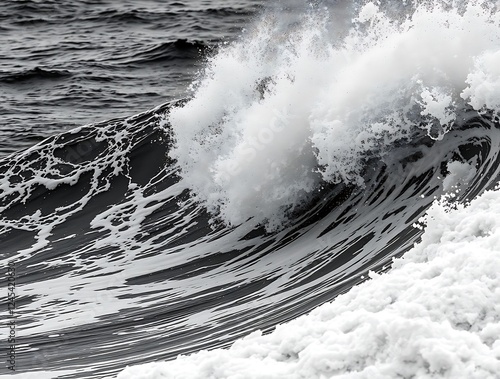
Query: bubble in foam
x=281, y=110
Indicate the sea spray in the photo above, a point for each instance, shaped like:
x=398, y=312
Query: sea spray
x=278, y=113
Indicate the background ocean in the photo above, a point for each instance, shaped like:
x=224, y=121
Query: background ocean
x=176, y=176
x=66, y=64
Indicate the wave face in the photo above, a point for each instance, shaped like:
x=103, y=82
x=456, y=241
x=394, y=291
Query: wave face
x=302, y=161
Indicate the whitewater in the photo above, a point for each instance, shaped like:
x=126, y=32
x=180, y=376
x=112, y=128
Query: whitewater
x=283, y=111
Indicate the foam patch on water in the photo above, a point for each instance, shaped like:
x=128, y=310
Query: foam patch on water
x=460, y=175
x=279, y=112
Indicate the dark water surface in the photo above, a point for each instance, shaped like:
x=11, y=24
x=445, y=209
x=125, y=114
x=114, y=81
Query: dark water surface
x=69, y=63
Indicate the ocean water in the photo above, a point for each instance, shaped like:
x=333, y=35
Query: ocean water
x=66, y=64
x=175, y=176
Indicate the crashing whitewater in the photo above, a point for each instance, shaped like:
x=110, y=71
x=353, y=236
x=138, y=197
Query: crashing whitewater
x=286, y=110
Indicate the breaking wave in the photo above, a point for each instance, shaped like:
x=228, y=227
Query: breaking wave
x=304, y=158
x=285, y=111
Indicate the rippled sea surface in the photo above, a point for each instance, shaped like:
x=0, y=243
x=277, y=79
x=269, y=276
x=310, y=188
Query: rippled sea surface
x=69, y=63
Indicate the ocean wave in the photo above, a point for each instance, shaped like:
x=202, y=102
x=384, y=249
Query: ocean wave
x=33, y=75
x=102, y=214
x=282, y=113
x=176, y=50
x=300, y=166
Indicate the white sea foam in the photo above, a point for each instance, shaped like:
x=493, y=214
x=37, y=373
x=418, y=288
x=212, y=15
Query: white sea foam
x=460, y=175
x=281, y=110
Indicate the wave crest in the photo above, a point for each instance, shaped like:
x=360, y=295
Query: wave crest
x=277, y=114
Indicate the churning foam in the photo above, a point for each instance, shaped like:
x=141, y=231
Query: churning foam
x=278, y=112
